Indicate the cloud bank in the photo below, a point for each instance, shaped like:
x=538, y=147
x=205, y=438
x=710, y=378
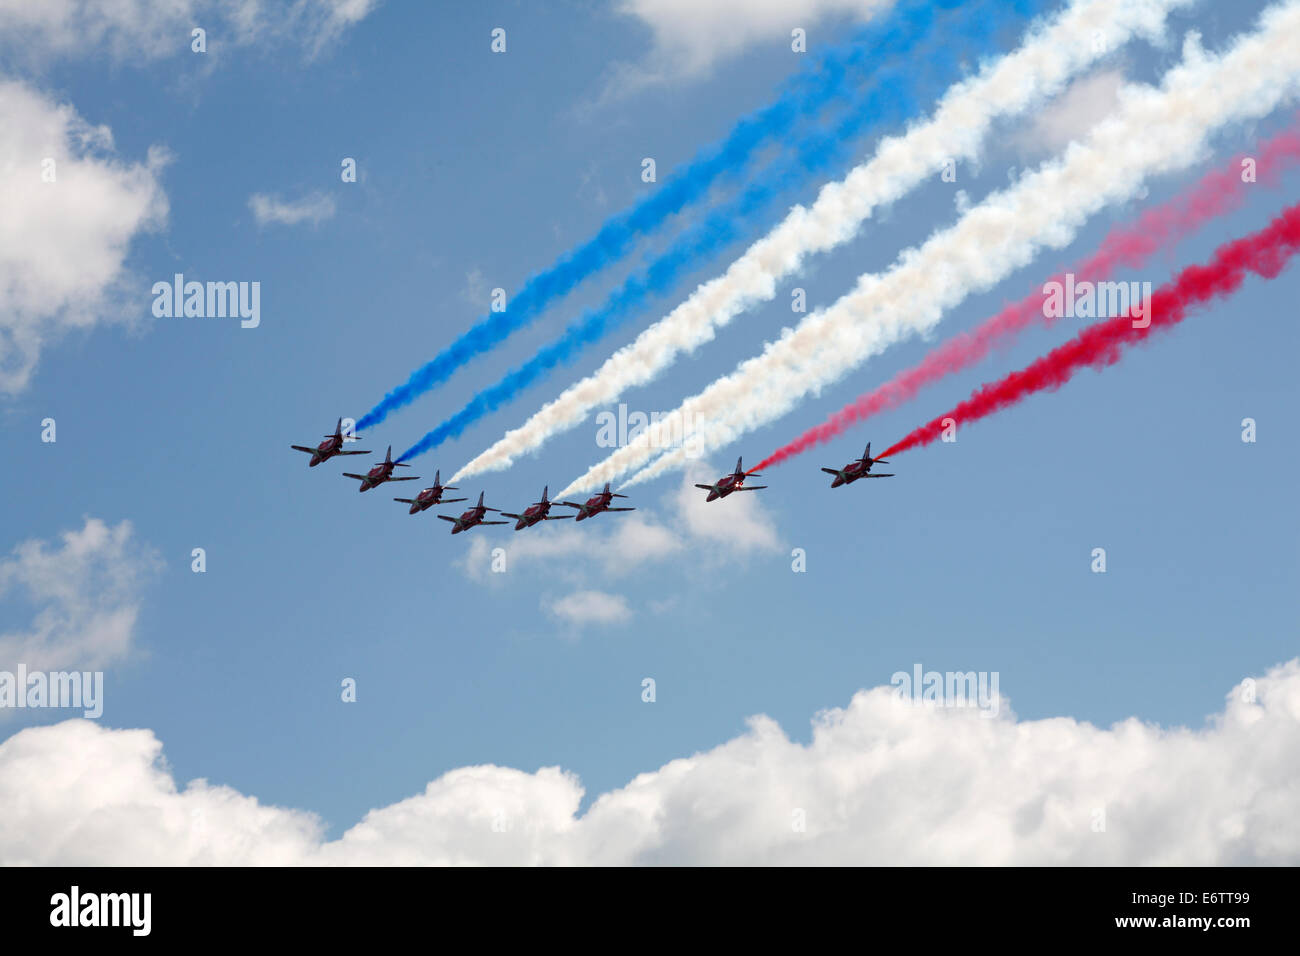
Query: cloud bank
x=883, y=781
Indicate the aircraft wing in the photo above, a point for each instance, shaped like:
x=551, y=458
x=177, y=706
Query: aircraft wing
x=750, y=488
x=620, y=509
x=507, y=514
x=880, y=476
x=449, y=501
x=706, y=487
x=358, y=477
x=494, y=522
x=831, y=471
x=557, y=517
x=310, y=451
x=358, y=452
x=406, y=478
x=405, y=501
x=445, y=518
x=568, y=504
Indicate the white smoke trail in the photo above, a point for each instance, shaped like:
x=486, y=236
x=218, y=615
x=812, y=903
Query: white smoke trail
x=1052, y=53
x=1154, y=130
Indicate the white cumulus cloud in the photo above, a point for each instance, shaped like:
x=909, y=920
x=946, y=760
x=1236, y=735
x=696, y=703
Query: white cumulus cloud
x=84, y=593
x=590, y=607
x=883, y=781
x=71, y=208
x=738, y=523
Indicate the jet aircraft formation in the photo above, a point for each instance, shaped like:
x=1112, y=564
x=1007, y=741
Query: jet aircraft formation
x=540, y=511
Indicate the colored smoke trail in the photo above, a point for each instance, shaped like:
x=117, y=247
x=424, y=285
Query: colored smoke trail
x=1152, y=131
x=1048, y=58
x=828, y=81
x=892, y=94
x=1264, y=253
x=1220, y=191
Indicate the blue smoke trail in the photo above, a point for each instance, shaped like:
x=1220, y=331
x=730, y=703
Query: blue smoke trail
x=894, y=94
x=828, y=80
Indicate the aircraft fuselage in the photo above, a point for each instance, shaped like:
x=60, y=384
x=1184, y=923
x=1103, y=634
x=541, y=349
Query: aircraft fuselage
x=850, y=473
x=377, y=476
x=468, y=520
x=426, y=499
x=532, y=515
x=326, y=450
x=594, y=506
x=725, y=486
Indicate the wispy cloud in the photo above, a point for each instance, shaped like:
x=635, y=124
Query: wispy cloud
x=314, y=208
x=620, y=544
x=689, y=37
x=144, y=30
x=84, y=594
x=590, y=607
x=1070, y=116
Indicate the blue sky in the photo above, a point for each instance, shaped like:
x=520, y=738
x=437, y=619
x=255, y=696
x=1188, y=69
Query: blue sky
x=475, y=170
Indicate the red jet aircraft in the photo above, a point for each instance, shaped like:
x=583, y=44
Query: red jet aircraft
x=535, y=513
x=729, y=483
x=595, y=505
x=429, y=497
x=859, y=468
x=331, y=446
x=381, y=472
x=472, y=517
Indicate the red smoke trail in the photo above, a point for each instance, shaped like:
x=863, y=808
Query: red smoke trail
x=1220, y=191
x=1265, y=252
